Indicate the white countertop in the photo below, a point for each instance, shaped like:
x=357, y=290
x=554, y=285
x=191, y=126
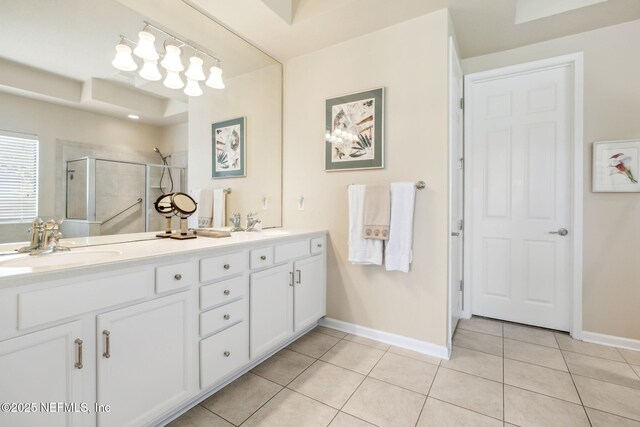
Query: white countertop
x=103, y=252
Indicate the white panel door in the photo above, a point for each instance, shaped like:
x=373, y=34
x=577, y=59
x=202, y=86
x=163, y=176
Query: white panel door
x=520, y=183
x=308, y=291
x=144, y=360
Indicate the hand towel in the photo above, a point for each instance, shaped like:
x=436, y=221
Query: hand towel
x=377, y=210
x=361, y=251
x=219, y=208
x=202, y=216
x=398, y=253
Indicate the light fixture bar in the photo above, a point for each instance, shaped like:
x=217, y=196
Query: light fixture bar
x=184, y=43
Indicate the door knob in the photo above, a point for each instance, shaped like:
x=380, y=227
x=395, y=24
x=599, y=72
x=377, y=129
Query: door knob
x=561, y=231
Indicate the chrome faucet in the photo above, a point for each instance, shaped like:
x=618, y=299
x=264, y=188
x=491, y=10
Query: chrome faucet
x=236, y=220
x=252, y=221
x=45, y=238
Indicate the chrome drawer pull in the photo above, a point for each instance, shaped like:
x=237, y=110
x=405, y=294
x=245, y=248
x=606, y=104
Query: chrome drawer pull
x=227, y=291
x=79, y=353
x=107, y=344
x=263, y=257
x=226, y=266
x=226, y=317
x=227, y=353
x=178, y=276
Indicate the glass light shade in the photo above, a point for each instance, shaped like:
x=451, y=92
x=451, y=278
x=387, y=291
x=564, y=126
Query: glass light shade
x=173, y=80
x=171, y=60
x=195, y=69
x=149, y=71
x=193, y=88
x=215, y=78
x=146, y=48
x=123, y=60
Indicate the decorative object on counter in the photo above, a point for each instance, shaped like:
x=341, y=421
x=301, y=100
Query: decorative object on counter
x=164, y=208
x=355, y=131
x=45, y=238
x=253, y=223
x=236, y=220
x=228, y=150
x=183, y=207
x=145, y=50
x=616, y=166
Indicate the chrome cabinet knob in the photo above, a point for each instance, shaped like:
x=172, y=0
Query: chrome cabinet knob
x=226, y=317
x=226, y=266
x=561, y=232
x=178, y=276
x=227, y=291
x=227, y=353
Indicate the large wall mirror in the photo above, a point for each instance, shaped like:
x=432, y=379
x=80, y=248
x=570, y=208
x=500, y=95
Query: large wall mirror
x=110, y=142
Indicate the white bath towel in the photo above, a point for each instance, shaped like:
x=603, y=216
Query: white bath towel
x=398, y=254
x=219, y=208
x=202, y=217
x=361, y=250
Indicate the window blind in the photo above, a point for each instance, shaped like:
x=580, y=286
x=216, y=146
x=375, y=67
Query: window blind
x=18, y=177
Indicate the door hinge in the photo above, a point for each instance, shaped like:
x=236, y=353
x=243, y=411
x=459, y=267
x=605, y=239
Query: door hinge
x=462, y=103
x=461, y=285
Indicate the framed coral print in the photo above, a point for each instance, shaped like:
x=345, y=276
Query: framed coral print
x=616, y=165
x=354, y=131
x=229, y=150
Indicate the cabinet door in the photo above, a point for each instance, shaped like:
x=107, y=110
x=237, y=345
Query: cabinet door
x=271, y=308
x=41, y=367
x=309, y=292
x=144, y=355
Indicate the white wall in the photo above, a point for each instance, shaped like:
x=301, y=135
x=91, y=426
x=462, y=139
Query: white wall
x=611, y=220
x=256, y=96
x=410, y=61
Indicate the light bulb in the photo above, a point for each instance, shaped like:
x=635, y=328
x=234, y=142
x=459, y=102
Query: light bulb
x=215, y=78
x=173, y=80
x=193, y=88
x=149, y=71
x=123, y=60
x=195, y=69
x=146, y=48
x=171, y=60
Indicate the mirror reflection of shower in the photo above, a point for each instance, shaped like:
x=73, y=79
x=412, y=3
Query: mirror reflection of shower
x=167, y=169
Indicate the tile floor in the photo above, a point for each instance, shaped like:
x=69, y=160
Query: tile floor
x=500, y=374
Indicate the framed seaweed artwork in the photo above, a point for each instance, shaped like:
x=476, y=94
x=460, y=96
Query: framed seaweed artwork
x=229, y=149
x=354, y=133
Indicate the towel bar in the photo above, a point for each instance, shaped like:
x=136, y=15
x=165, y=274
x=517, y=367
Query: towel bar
x=420, y=185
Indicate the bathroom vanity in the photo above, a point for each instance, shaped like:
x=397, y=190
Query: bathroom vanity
x=133, y=334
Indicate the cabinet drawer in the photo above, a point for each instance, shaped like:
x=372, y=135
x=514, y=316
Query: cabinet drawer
x=223, y=292
x=292, y=250
x=223, y=353
x=48, y=305
x=222, y=266
x=221, y=317
x=317, y=245
x=175, y=276
x=262, y=257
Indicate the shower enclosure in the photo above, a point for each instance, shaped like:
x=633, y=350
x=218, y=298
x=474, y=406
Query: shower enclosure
x=105, y=196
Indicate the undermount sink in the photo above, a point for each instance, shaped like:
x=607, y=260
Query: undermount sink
x=58, y=259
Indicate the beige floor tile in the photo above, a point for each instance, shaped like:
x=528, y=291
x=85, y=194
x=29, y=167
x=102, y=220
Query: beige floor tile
x=475, y=362
x=330, y=331
x=525, y=408
x=529, y=334
x=533, y=353
x=237, y=401
x=346, y=420
x=291, y=409
x=384, y=404
x=283, y=366
x=540, y=380
x=607, y=397
x=602, y=369
x=327, y=383
x=569, y=344
x=468, y=391
x=313, y=344
x=603, y=419
x=415, y=355
x=368, y=342
x=354, y=356
x=199, y=417
x=631, y=356
x=478, y=324
x=478, y=341
x=405, y=372
x=441, y=414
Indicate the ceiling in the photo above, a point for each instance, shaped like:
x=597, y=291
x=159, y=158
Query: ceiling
x=481, y=26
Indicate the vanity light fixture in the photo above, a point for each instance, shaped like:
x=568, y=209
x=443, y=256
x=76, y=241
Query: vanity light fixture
x=171, y=61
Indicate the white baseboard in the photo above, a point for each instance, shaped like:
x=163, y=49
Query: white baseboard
x=611, y=340
x=398, y=340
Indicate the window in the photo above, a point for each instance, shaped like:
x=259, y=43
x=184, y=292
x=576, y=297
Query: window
x=18, y=177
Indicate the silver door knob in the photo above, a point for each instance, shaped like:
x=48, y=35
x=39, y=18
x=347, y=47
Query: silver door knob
x=561, y=231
